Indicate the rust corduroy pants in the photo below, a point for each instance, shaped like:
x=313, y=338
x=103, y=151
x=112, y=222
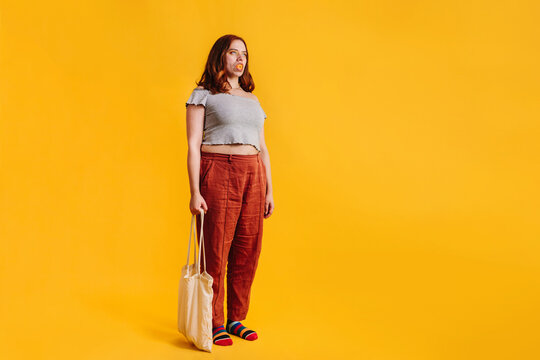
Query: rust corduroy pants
x=234, y=188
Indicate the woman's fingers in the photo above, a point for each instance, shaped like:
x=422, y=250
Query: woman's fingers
x=204, y=206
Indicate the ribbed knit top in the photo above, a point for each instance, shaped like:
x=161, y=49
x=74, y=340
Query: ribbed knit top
x=229, y=119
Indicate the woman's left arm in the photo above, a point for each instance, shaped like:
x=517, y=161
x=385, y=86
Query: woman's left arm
x=269, y=202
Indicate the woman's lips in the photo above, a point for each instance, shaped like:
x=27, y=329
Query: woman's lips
x=239, y=67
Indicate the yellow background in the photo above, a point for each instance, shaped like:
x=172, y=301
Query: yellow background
x=404, y=146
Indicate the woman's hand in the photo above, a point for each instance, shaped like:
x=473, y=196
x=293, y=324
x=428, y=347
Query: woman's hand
x=196, y=203
x=268, y=205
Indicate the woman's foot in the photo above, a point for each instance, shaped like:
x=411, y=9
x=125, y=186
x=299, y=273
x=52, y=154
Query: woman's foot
x=236, y=328
x=220, y=336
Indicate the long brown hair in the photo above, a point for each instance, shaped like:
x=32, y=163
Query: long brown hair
x=214, y=77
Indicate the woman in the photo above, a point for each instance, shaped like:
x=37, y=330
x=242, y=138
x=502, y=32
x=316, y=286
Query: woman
x=230, y=179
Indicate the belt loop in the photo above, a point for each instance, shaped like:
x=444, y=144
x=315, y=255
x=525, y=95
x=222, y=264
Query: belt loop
x=230, y=157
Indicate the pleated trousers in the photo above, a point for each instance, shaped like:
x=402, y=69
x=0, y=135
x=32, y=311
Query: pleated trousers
x=234, y=188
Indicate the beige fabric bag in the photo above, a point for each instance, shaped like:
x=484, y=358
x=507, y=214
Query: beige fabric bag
x=195, y=296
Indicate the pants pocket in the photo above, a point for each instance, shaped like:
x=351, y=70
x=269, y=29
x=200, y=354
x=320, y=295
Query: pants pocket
x=206, y=166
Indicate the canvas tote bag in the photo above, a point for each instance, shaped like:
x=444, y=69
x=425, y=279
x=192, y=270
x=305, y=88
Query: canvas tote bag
x=195, y=296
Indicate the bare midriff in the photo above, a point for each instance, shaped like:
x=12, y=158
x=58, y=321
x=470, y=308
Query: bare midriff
x=235, y=149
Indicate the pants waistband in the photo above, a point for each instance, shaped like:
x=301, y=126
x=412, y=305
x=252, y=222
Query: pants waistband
x=230, y=157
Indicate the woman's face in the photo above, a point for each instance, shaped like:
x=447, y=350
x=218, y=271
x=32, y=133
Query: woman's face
x=236, y=58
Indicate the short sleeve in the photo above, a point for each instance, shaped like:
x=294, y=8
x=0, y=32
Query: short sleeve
x=263, y=112
x=198, y=97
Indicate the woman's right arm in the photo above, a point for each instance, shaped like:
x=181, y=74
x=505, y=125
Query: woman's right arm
x=194, y=127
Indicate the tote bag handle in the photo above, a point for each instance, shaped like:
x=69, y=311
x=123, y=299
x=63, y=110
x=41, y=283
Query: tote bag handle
x=197, y=262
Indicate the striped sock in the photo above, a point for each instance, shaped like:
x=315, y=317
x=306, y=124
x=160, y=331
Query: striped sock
x=220, y=336
x=236, y=328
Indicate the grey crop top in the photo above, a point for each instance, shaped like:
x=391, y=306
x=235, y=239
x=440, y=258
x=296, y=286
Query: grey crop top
x=229, y=119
